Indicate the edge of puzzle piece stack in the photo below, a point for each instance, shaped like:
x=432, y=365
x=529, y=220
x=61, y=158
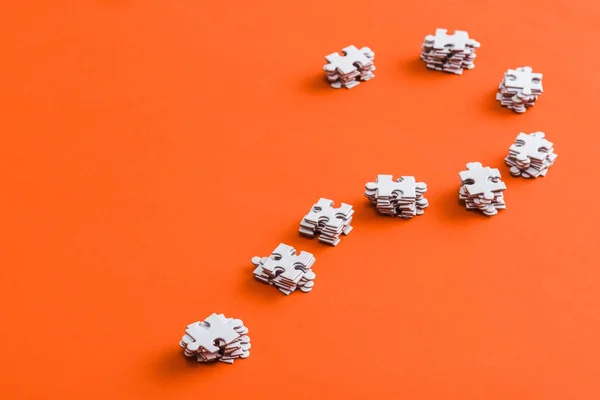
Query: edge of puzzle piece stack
x=482, y=189
x=449, y=53
x=286, y=270
x=402, y=197
x=519, y=89
x=326, y=221
x=531, y=155
x=350, y=68
x=217, y=338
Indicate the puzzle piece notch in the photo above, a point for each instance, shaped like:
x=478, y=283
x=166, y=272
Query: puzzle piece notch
x=480, y=180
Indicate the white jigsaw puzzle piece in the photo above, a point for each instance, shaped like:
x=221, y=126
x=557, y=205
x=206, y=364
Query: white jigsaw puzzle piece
x=348, y=62
x=524, y=79
x=456, y=42
x=198, y=335
x=531, y=146
x=323, y=210
x=285, y=263
x=480, y=180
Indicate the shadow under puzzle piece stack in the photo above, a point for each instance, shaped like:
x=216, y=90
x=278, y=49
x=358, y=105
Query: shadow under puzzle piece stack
x=349, y=69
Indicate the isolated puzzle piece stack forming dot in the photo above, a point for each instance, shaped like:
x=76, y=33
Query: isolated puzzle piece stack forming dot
x=285, y=270
x=531, y=155
x=350, y=68
x=481, y=189
x=520, y=89
x=449, y=53
x=217, y=338
x=326, y=221
x=402, y=197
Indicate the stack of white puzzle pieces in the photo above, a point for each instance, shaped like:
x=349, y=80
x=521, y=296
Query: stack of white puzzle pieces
x=286, y=270
x=531, y=155
x=449, y=53
x=327, y=221
x=481, y=189
x=217, y=338
x=349, y=69
x=520, y=89
x=402, y=197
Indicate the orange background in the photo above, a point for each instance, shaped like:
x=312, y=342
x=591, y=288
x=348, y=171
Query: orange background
x=151, y=148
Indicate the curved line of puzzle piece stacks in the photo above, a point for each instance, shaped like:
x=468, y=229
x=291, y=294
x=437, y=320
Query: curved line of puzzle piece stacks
x=519, y=89
x=402, y=197
x=482, y=189
x=531, y=155
x=217, y=338
x=349, y=68
x=449, y=53
x=286, y=270
x=326, y=221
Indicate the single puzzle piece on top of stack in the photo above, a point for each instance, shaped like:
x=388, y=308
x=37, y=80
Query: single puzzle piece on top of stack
x=449, y=53
x=286, y=270
x=349, y=69
x=327, y=222
x=520, y=89
x=217, y=338
x=402, y=197
x=481, y=189
x=531, y=155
